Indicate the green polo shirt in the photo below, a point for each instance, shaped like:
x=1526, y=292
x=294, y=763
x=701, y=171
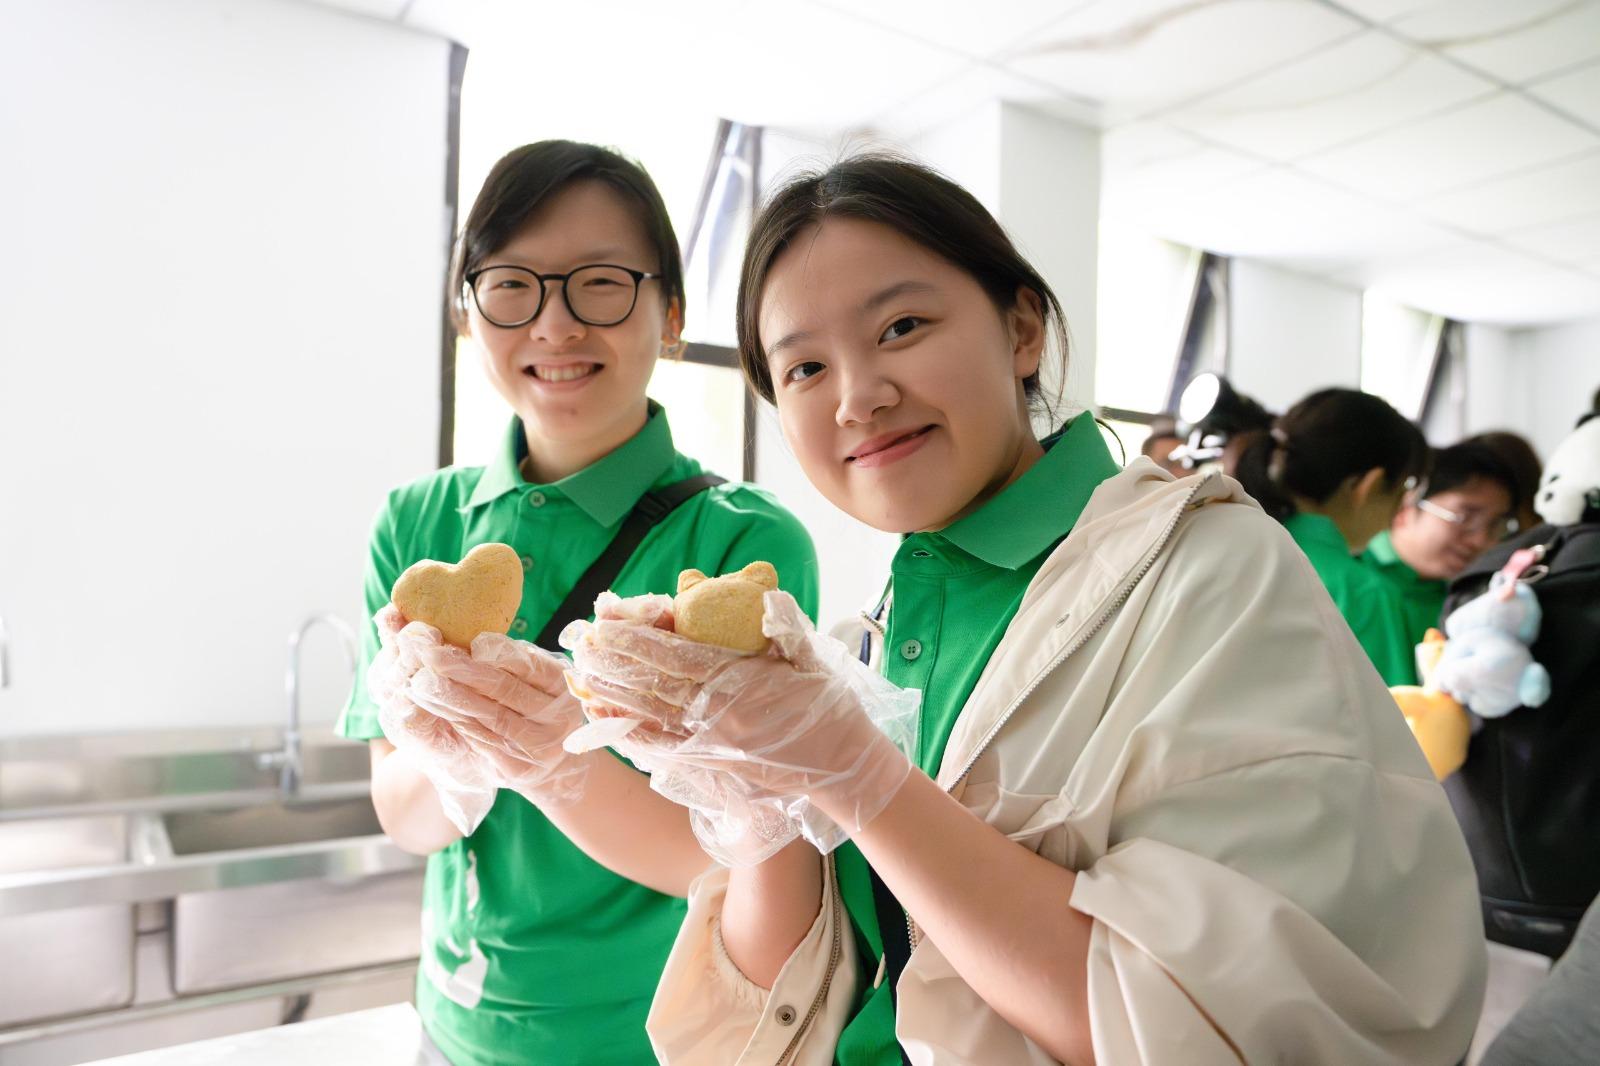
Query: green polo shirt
x=1422, y=599
x=955, y=593
x=1370, y=605
x=532, y=952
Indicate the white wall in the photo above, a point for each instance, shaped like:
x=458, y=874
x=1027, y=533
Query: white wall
x=219, y=326
x=1561, y=368
x=1050, y=204
x=1290, y=334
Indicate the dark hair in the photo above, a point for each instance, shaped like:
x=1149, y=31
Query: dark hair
x=526, y=177
x=1520, y=461
x=915, y=201
x=1458, y=464
x=1324, y=440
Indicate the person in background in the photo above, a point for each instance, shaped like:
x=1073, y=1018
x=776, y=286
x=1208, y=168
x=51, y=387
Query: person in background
x=1334, y=470
x=1466, y=508
x=542, y=942
x=1522, y=462
x=1158, y=446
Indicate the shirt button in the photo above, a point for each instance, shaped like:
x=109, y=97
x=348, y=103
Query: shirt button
x=519, y=627
x=536, y=499
x=527, y=563
x=785, y=1015
x=910, y=650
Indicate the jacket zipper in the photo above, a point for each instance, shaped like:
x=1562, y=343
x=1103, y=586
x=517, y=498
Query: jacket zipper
x=1149, y=561
x=830, y=885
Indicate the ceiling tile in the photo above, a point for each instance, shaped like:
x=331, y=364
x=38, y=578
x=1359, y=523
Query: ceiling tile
x=1354, y=88
x=1383, y=10
x=979, y=85
x=1136, y=144
x=1460, y=147
x=1539, y=44
x=1576, y=92
x=1483, y=282
x=1168, y=183
x=974, y=29
x=1277, y=215
x=1549, y=194
x=1460, y=22
x=1140, y=55
x=1575, y=241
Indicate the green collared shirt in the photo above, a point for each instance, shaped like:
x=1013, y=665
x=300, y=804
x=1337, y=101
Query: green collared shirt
x=1421, y=598
x=1370, y=605
x=531, y=951
x=955, y=593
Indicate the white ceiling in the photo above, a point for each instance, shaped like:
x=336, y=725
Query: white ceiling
x=1446, y=152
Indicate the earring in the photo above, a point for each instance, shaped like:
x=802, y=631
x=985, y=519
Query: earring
x=674, y=350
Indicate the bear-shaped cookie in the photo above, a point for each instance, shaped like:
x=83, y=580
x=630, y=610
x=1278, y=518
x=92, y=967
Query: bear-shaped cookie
x=480, y=594
x=725, y=611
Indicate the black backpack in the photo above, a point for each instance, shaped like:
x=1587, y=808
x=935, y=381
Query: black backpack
x=1528, y=796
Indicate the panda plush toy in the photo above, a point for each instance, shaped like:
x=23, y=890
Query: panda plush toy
x=1569, y=491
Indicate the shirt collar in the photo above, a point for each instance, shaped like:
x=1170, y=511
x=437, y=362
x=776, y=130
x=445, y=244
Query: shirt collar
x=1317, y=529
x=606, y=489
x=1013, y=528
x=1380, y=550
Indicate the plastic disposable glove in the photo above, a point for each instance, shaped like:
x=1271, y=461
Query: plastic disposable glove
x=505, y=702
x=462, y=781
x=757, y=747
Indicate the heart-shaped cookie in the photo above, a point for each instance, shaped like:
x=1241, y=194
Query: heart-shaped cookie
x=480, y=594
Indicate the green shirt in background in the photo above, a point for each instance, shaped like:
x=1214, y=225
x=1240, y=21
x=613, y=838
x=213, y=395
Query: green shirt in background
x=1421, y=598
x=955, y=593
x=531, y=951
x=1370, y=605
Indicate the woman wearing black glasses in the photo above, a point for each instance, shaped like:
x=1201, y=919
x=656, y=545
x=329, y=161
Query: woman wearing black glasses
x=567, y=280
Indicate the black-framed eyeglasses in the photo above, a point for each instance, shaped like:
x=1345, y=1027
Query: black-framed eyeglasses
x=597, y=294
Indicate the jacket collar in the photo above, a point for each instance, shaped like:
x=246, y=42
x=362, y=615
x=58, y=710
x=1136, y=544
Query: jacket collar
x=1129, y=521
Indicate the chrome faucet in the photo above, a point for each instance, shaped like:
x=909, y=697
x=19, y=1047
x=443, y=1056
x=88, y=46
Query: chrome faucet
x=289, y=761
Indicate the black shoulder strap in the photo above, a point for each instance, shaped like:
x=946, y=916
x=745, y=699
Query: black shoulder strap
x=652, y=507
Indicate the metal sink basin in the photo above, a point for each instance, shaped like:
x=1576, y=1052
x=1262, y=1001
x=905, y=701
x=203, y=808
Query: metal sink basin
x=304, y=888
x=45, y=777
x=70, y=960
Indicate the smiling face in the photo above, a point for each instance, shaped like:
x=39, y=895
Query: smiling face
x=579, y=389
x=899, y=384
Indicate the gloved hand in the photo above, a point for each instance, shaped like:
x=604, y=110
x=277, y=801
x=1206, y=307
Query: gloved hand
x=802, y=739
x=464, y=784
x=504, y=702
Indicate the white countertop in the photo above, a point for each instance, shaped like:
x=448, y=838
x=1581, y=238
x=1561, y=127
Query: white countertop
x=382, y=1036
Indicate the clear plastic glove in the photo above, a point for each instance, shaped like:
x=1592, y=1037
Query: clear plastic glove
x=464, y=784
x=802, y=740
x=504, y=705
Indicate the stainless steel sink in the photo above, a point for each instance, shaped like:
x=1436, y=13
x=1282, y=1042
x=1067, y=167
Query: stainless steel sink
x=75, y=959
x=47, y=777
x=273, y=926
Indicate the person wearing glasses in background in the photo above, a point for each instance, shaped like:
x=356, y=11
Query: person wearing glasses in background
x=1465, y=508
x=554, y=881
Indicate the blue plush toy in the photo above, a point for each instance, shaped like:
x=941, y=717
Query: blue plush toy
x=1487, y=664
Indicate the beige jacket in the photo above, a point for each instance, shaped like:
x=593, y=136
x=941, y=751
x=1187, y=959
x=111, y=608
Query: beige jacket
x=1178, y=712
